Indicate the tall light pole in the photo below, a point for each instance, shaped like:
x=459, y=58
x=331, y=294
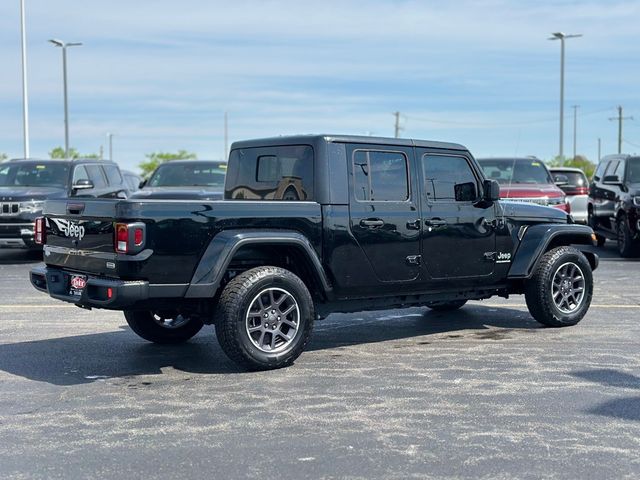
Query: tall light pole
x=575, y=128
x=25, y=94
x=64, y=45
x=562, y=37
x=110, y=140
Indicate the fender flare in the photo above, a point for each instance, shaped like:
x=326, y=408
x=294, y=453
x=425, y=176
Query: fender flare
x=218, y=255
x=537, y=239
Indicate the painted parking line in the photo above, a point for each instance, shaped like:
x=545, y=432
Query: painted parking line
x=492, y=305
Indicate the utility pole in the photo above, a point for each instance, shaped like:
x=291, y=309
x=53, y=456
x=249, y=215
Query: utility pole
x=25, y=94
x=110, y=139
x=101, y=152
x=599, y=148
x=562, y=37
x=620, y=119
x=226, y=136
x=397, y=125
x=575, y=128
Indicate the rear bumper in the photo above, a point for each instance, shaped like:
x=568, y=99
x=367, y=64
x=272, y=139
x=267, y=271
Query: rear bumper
x=17, y=235
x=100, y=292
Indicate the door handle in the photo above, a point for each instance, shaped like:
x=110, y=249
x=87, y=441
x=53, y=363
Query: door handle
x=415, y=225
x=371, y=222
x=435, y=222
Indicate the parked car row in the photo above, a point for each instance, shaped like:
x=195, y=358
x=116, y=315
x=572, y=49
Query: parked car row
x=609, y=204
x=25, y=184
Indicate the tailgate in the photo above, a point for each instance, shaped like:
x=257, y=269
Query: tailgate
x=79, y=235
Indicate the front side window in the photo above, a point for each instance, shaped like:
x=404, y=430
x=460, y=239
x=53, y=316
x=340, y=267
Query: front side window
x=600, y=170
x=270, y=173
x=34, y=174
x=380, y=176
x=96, y=176
x=113, y=174
x=448, y=178
x=80, y=173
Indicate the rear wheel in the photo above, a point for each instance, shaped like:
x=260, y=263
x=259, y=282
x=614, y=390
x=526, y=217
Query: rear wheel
x=161, y=327
x=446, y=306
x=559, y=292
x=264, y=318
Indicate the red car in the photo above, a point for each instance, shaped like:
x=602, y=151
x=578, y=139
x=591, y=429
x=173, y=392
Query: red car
x=525, y=180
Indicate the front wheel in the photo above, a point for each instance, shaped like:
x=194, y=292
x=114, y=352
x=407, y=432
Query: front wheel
x=624, y=237
x=560, y=290
x=158, y=327
x=264, y=318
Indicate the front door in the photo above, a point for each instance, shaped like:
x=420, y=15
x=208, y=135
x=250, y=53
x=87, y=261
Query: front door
x=458, y=238
x=384, y=217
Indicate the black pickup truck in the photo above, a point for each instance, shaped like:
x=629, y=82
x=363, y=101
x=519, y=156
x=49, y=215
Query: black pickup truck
x=312, y=225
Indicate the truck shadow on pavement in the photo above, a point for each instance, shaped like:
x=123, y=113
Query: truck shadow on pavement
x=82, y=359
x=622, y=408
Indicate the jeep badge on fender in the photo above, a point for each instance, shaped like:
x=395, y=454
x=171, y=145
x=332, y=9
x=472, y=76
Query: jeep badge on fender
x=311, y=225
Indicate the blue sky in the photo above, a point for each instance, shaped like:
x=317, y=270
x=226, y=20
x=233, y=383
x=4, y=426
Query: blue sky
x=160, y=74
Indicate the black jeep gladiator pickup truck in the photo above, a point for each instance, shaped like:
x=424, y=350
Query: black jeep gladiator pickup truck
x=312, y=225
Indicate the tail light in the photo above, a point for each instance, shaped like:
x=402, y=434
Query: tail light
x=39, y=232
x=129, y=237
x=122, y=238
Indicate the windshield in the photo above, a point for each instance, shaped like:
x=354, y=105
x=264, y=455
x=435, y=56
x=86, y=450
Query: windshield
x=33, y=174
x=189, y=175
x=633, y=170
x=520, y=170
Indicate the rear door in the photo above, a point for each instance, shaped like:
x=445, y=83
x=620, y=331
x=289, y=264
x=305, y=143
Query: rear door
x=384, y=216
x=458, y=238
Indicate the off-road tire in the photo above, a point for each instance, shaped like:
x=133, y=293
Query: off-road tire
x=446, y=306
x=144, y=325
x=231, y=317
x=538, y=290
x=627, y=247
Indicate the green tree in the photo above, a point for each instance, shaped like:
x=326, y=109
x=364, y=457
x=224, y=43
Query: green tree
x=58, y=152
x=3, y=157
x=156, y=158
x=579, y=161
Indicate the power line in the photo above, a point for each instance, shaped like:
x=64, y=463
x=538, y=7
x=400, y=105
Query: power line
x=631, y=143
x=499, y=124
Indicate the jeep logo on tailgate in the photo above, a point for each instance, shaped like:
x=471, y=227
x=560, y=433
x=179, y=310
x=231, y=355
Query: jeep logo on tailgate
x=69, y=228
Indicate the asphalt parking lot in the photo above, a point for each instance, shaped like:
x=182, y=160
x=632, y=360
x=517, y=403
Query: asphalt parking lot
x=484, y=392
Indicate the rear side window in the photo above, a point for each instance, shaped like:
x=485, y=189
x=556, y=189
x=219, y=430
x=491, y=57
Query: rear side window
x=448, y=178
x=270, y=173
x=113, y=174
x=96, y=176
x=380, y=176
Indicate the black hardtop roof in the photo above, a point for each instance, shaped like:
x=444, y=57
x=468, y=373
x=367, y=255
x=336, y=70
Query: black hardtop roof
x=314, y=138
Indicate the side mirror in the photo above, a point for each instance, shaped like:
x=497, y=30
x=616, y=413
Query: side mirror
x=561, y=180
x=142, y=184
x=83, y=184
x=491, y=190
x=611, y=180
